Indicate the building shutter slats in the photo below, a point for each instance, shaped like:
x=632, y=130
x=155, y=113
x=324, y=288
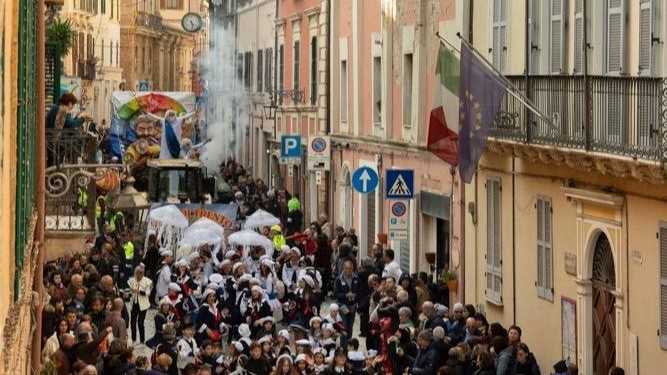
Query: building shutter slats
x=556, y=37
x=494, y=248
x=663, y=286
x=646, y=37
x=579, y=43
x=615, y=35
x=534, y=35
x=499, y=38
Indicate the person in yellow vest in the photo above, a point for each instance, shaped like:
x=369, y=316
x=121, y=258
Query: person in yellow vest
x=128, y=256
x=278, y=238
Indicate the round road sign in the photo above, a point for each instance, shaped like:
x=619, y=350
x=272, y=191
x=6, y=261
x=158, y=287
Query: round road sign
x=319, y=144
x=398, y=209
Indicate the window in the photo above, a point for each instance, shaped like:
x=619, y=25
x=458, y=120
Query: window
x=615, y=35
x=95, y=6
x=407, y=90
x=102, y=52
x=239, y=67
x=494, y=275
x=117, y=52
x=313, y=71
x=579, y=44
x=647, y=31
x=499, y=48
x=173, y=4
x=103, y=7
x=248, y=70
x=556, y=45
x=112, y=8
x=297, y=63
x=663, y=286
x=343, y=91
x=281, y=72
x=268, y=56
x=377, y=90
x=111, y=53
x=534, y=34
x=260, y=71
x=544, y=249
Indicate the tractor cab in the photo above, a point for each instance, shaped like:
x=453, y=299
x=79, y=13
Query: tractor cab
x=178, y=181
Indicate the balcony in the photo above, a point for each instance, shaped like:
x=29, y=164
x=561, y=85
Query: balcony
x=86, y=69
x=614, y=116
x=149, y=20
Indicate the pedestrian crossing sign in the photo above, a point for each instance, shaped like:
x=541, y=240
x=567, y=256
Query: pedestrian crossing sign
x=400, y=184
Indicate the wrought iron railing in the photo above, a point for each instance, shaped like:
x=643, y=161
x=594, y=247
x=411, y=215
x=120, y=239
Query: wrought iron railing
x=616, y=115
x=148, y=20
x=69, y=146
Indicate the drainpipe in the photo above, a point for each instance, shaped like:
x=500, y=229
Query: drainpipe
x=587, y=91
x=332, y=179
x=40, y=178
x=514, y=299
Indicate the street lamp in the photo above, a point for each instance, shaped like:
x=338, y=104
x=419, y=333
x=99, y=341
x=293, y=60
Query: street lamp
x=133, y=203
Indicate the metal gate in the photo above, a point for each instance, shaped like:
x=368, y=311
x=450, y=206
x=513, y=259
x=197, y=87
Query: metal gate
x=25, y=137
x=52, y=70
x=604, y=302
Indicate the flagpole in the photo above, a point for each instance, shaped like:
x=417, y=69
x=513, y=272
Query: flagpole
x=509, y=86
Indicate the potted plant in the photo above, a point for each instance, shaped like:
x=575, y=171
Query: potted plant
x=61, y=34
x=449, y=277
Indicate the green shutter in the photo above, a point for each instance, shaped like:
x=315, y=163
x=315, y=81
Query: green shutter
x=26, y=124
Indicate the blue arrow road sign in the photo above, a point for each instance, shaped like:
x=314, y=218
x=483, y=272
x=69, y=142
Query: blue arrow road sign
x=400, y=184
x=290, y=146
x=365, y=180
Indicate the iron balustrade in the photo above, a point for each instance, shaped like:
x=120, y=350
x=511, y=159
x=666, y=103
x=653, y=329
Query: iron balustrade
x=70, y=146
x=625, y=114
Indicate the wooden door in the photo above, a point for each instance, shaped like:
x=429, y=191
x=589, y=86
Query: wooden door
x=604, y=309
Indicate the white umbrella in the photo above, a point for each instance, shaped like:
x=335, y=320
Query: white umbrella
x=169, y=215
x=249, y=237
x=208, y=224
x=200, y=236
x=260, y=219
x=168, y=224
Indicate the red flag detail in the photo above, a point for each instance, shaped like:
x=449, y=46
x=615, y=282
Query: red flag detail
x=442, y=141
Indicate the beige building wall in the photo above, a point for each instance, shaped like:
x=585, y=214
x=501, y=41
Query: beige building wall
x=590, y=194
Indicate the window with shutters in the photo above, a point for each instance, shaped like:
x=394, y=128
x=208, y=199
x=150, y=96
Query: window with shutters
x=377, y=90
x=534, y=34
x=663, y=285
x=615, y=36
x=544, y=249
x=313, y=70
x=297, y=65
x=494, y=276
x=343, y=91
x=407, y=90
x=268, y=56
x=556, y=36
x=499, y=38
x=579, y=44
x=281, y=72
x=247, y=71
x=647, y=31
x=260, y=71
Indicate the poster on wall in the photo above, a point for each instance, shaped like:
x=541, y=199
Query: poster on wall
x=569, y=329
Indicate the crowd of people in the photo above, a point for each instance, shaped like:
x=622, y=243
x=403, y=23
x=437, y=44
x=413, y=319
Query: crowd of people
x=310, y=306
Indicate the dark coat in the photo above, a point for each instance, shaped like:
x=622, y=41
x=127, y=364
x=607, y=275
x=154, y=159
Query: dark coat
x=342, y=288
x=528, y=368
x=425, y=362
x=258, y=366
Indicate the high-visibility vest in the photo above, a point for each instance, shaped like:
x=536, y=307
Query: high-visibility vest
x=113, y=220
x=279, y=241
x=98, y=208
x=82, y=198
x=128, y=248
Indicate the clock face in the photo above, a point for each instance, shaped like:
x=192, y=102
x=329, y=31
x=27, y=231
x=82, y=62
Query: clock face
x=191, y=22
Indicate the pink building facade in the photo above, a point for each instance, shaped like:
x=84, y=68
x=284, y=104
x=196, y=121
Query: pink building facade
x=302, y=28
x=383, y=88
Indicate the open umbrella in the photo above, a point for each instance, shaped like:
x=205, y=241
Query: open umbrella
x=260, y=219
x=168, y=224
x=249, y=237
x=208, y=224
x=201, y=236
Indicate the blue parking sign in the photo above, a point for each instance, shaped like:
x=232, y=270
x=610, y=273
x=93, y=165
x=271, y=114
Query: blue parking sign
x=290, y=147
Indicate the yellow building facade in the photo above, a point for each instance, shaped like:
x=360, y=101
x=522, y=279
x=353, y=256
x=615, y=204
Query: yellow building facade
x=565, y=225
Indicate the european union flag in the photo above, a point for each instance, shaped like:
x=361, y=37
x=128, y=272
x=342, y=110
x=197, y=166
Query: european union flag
x=480, y=95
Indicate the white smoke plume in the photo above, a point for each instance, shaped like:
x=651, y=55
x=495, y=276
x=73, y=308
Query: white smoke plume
x=228, y=101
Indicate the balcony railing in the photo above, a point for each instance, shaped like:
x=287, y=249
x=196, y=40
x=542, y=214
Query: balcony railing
x=69, y=146
x=616, y=115
x=148, y=20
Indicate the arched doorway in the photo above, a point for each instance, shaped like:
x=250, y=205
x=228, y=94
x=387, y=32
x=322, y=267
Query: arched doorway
x=604, y=307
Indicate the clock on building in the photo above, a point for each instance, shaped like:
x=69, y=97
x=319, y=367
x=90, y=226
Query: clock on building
x=192, y=22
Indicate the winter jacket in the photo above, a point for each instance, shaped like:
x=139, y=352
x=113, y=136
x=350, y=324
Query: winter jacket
x=425, y=362
x=528, y=368
x=505, y=361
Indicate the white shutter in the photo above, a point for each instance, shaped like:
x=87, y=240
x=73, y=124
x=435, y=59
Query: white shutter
x=499, y=47
x=646, y=30
x=493, y=241
x=544, y=250
x=556, y=45
x=615, y=35
x=579, y=43
x=663, y=286
x=534, y=35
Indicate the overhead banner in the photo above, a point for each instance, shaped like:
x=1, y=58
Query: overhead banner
x=223, y=214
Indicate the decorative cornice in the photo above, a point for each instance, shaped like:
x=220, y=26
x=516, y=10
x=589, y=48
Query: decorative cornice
x=605, y=164
x=311, y=11
x=597, y=197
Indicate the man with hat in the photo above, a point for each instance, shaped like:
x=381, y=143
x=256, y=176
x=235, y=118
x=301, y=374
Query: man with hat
x=164, y=276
